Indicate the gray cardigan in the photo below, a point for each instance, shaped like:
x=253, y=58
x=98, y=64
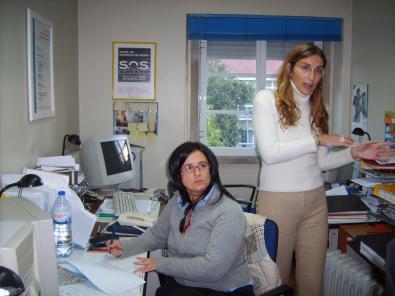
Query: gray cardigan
x=209, y=255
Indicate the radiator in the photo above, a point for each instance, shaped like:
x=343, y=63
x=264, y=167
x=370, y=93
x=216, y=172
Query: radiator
x=346, y=276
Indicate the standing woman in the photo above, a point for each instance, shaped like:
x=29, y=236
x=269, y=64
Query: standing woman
x=291, y=129
x=203, y=228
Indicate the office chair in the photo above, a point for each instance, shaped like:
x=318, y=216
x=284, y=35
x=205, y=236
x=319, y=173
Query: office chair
x=248, y=204
x=390, y=269
x=261, y=253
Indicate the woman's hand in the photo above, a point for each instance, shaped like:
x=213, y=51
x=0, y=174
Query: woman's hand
x=373, y=150
x=147, y=264
x=114, y=247
x=334, y=140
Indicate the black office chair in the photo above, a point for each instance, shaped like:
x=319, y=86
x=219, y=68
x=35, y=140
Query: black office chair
x=390, y=269
x=245, y=195
x=261, y=253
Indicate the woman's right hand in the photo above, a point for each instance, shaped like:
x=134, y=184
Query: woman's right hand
x=334, y=140
x=114, y=247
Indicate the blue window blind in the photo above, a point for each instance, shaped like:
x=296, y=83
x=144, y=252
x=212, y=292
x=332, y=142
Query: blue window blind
x=257, y=27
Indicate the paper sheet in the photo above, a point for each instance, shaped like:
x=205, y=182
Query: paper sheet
x=82, y=222
x=340, y=190
x=111, y=275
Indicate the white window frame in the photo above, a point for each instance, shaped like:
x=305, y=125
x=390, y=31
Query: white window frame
x=260, y=77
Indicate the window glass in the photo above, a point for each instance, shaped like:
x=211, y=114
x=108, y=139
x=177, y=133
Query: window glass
x=231, y=72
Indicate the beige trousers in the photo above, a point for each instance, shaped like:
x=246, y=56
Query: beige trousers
x=302, y=219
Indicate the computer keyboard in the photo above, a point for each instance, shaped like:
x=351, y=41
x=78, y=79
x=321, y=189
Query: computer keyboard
x=124, y=202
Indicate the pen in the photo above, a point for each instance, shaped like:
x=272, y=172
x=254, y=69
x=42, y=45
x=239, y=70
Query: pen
x=112, y=238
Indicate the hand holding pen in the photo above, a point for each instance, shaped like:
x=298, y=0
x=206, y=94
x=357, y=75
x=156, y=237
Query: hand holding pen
x=114, y=247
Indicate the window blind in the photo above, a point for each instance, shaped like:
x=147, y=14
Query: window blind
x=258, y=27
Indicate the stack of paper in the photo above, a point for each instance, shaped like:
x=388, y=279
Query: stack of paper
x=347, y=209
x=373, y=246
x=56, y=163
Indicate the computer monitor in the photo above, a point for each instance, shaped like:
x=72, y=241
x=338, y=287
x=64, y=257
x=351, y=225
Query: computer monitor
x=107, y=162
x=43, y=244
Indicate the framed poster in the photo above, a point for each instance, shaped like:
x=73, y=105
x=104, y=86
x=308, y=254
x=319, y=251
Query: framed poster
x=134, y=70
x=40, y=66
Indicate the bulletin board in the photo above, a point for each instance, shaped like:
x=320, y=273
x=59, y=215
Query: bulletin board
x=138, y=120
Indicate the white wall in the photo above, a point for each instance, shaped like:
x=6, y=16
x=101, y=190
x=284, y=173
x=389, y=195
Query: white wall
x=373, y=48
x=164, y=22
x=21, y=141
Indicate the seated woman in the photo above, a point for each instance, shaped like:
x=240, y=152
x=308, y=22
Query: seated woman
x=202, y=227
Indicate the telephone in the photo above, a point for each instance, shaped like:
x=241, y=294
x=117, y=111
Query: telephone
x=136, y=219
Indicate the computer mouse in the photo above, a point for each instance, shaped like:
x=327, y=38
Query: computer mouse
x=10, y=282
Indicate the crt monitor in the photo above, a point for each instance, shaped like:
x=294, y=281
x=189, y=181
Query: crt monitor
x=43, y=246
x=107, y=161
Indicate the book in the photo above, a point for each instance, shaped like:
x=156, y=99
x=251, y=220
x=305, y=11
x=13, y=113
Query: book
x=346, y=204
x=374, y=165
x=385, y=191
x=374, y=246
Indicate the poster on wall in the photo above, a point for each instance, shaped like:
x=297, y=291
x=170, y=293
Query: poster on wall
x=138, y=120
x=359, y=108
x=40, y=66
x=389, y=127
x=133, y=70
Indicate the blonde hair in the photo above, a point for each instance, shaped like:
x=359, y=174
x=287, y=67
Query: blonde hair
x=285, y=102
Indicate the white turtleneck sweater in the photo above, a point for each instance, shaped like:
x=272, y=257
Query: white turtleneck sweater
x=291, y=160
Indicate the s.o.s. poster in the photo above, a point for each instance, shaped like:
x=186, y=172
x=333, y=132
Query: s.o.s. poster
x=134, y=71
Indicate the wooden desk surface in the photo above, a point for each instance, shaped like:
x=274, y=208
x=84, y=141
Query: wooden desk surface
x=348, y=232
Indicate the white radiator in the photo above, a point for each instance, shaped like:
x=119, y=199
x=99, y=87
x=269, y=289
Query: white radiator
x=346, y=276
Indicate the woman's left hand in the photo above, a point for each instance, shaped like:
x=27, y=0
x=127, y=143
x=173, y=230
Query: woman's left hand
x=373, y=150
x=147, y=264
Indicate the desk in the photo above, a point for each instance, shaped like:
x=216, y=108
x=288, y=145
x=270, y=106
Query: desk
x=86, y=286
x=348, y=232
x=102, y=270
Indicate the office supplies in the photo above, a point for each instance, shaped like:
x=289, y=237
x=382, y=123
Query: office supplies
x=44, y=197
x=111, y=275
x=125, y=230
x=29, y=180
x=112, y=239
x=10, y=283
x=100, y=241
x=45, y=265
x=346, y=204
x=373, y=246
x=124, y=202
x=107, y=162
x=136, y=219
x=385, y=191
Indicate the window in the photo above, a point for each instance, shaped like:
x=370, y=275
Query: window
x=231, y=57
x=231, y=72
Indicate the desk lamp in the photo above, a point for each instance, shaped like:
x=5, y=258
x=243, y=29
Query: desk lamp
x=360, y=132
x=29, y=180
x=71, y=139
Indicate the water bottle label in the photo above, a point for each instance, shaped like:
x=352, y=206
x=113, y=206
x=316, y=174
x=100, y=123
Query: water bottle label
x=60, y=217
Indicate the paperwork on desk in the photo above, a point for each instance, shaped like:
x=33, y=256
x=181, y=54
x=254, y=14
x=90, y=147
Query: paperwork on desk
x=44, y=196
x=56, y=162
x=114, y=276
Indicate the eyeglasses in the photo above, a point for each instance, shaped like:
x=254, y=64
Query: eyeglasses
x=190, y=168
x=306, y=69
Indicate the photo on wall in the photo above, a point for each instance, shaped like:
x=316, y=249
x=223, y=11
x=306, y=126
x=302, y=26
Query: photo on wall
x=139, y=120
x=359, y=107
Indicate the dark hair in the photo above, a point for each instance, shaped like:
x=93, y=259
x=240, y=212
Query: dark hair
x=177, y=159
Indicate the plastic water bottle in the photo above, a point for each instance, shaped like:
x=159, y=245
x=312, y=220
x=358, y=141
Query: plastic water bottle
x=61, y=216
